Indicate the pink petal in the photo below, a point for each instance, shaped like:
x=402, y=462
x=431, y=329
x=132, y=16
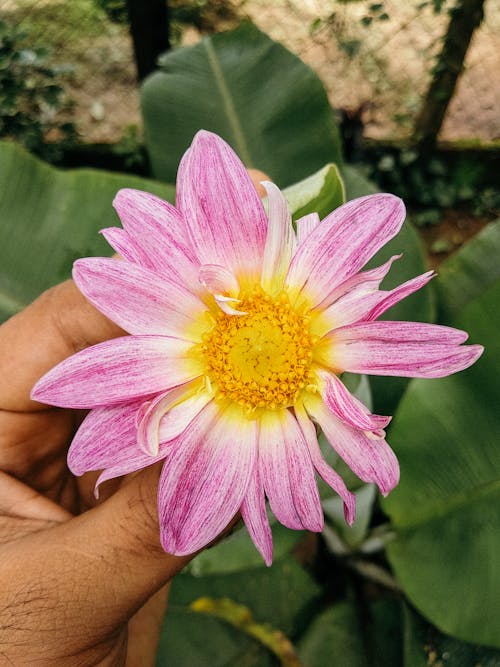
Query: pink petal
x=137, y=299
x=218, y=280
x=347, y=407
x=118, y=370
x=348, y=309
x=364, y=282
x=389, y=299
x=407, y=349
x=226, y=220
x=125, y=245
x=136, y=460
x=329, y=475
x=342, y=244
x=253, y=512
x=371, y=460
x=280, y=241
x=205, y=478
x=167, y=415
x=105, y=436
x=107, y=439
x=305, y=225
x=179, y=416
x=287, y=472
x=159, y=229
x=358, y=304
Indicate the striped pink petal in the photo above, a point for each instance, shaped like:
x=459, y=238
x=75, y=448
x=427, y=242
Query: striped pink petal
x=364, y=282
x=206, y=478
x=342, y=244
x=218, y=280
x=280, y=241
x=287, y=472
x=224, y=214
x=407, y=349
x=348, y=309
x=359, y=305
x=159, y=229
x=332, y=478
x=253, y=512
x=347, y=407
x=305, y=225
x=224, y=287
x=124, y=465
x=125, y=245
x=118, y=370
x=394, y=296
x=107, y=440
x=137, y=299
x=372, y=460
x=105, y=436
x=179, y=417
x=167, y=415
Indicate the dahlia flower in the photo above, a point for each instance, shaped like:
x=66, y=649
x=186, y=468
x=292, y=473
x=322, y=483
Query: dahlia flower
x=240, y=330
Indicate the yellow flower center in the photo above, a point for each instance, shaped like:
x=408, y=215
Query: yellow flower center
x=261, y=359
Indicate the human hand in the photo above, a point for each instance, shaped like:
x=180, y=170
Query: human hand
x=70, y=579
x=82, y=581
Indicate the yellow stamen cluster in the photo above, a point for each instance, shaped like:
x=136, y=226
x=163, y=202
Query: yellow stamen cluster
x=261, y=359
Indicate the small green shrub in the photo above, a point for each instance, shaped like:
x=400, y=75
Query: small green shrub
x=116, y=10
x=31, y=96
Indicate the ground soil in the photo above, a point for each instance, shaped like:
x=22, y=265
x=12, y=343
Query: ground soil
x=384, y=80
x=455, y=228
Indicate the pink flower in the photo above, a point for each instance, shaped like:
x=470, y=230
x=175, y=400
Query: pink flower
x=239, y=332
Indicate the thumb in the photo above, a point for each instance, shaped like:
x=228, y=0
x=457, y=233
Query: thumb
x=118, y=546
x=88, y=575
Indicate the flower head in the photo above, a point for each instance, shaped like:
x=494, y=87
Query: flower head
x=240, y=329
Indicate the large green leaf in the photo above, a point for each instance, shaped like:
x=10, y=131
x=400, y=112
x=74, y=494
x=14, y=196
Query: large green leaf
x=238, y=552
x=49, y=218
x=424, y=645
x=191, y=639
x=345, y=636
x=280, y=595
x=250, y=90
x=320, y=193
x=446, y=510
x=468, y=272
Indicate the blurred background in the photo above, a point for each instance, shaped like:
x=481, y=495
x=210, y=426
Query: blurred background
x=376, y=59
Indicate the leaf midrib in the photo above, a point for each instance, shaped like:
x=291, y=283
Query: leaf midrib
x=227, y=101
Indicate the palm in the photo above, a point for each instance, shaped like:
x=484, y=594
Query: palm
x=36, y=487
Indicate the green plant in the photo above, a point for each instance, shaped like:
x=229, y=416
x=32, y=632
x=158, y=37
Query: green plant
x=31, y=95
x=436, y=183
x=116, y=10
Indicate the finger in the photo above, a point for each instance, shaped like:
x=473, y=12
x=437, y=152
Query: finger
x=20, y=501
x=59, y=323
x=144, y=630
x=46, y=432
x=257, y=177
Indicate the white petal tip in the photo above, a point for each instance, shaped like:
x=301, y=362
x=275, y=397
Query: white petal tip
x=224, y=304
